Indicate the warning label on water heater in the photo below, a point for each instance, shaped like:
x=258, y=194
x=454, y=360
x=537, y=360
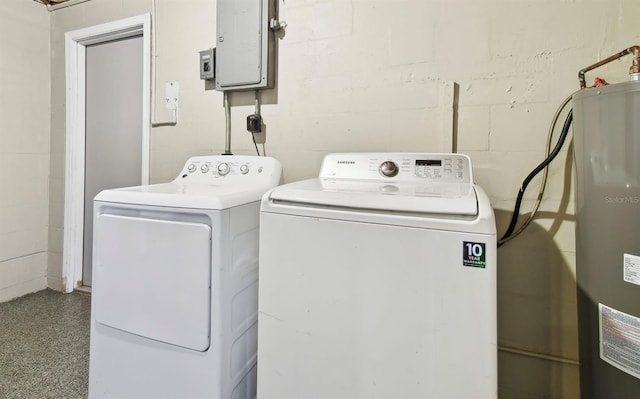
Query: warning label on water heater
x=620, y=340
x=632, y=269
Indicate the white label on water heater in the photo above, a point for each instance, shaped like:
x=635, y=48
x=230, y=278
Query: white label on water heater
x=632, y=269
x=620, y=340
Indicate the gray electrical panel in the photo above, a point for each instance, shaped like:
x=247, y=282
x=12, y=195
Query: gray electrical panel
x=245, y=44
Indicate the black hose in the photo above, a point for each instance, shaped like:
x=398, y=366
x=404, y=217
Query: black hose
x=538, y=169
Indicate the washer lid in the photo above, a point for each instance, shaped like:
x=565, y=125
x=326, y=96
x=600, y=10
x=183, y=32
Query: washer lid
x=432, y=198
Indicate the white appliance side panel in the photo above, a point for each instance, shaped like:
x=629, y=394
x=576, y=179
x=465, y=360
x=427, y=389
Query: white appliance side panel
x=360, y=310
x=152, y=278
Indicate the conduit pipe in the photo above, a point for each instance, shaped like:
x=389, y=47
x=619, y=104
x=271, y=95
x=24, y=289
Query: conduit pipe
x=174, y=109
x=227, y=117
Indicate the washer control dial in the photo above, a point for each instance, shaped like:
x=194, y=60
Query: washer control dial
x=223, y=169
x=192, y=168
x=389, y=169
x=244, y=169
x=204, y=168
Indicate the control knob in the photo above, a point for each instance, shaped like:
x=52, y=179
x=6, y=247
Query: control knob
x=191, y=168
x=204, y=168
x=244, y=169
x=223, y=169
x=389, y=169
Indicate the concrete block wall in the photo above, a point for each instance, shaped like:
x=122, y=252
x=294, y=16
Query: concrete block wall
x=374, y=75
x=24, y=147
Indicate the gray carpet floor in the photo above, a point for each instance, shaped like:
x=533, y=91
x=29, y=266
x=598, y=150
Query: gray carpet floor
x=44, y=346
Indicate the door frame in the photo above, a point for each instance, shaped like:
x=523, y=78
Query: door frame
x=75, y=70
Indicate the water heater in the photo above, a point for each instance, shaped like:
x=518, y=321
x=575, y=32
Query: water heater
x=607, y=156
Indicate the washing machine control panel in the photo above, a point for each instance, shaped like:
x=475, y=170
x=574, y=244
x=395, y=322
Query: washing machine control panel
x=399, y=167
x=241, y=168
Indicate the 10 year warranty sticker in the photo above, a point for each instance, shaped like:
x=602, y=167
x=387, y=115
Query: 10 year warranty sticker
x=473, y=254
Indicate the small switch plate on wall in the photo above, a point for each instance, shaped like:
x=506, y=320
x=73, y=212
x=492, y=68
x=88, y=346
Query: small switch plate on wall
x=171, y=92
x=207, y=64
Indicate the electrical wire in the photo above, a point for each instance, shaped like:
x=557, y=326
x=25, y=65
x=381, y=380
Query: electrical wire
x=549, y=156
x=256, y=94
x=543, y=183
x=253, y=136
x=509, y=234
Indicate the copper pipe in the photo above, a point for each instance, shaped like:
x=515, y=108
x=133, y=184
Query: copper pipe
x=635, y=67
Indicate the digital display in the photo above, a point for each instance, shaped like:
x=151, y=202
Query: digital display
x=428, y=162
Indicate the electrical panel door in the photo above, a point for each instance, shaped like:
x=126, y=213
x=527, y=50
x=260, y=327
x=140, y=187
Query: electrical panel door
x=244, y=44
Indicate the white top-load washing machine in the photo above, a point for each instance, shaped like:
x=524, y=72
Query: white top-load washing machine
x=175, y=283
x=378, y=280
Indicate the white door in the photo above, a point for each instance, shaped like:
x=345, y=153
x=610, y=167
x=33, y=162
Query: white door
x=77, y=44
x=113, y=137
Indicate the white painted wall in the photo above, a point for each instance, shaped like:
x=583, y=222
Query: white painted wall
x=24, y=147
x=368, y=75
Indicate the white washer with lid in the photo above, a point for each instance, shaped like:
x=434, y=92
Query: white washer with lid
x=175, y=280
x=378, y=280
